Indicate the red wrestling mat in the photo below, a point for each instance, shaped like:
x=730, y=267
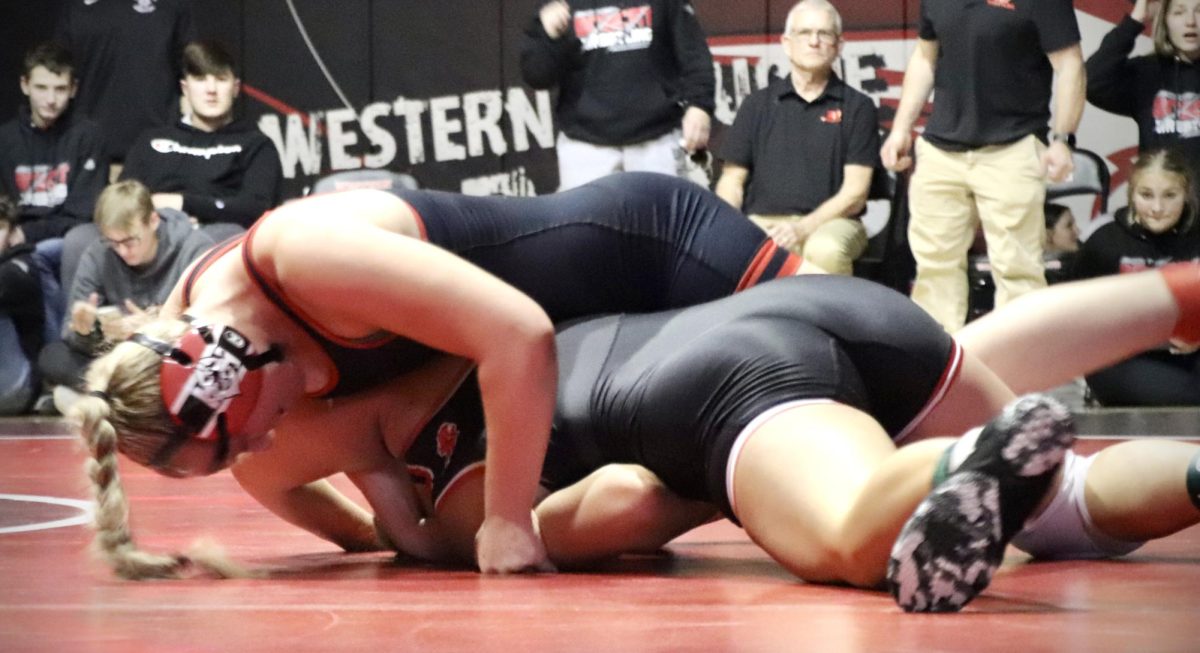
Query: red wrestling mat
x=713, y=591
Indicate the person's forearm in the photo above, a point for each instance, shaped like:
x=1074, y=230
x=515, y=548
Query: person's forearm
x=518, y=389
x=322, y=510
x=914, y=93
x=732, y=190
x=1070, y=91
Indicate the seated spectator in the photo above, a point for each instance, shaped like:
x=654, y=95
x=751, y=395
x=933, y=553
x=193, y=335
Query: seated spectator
x=1158, y=227
x=51, y=158
x=21, y=317
x=121, y=280
x=635, y=84
x=208, y=165
x=1062, y=242
x=800, y=155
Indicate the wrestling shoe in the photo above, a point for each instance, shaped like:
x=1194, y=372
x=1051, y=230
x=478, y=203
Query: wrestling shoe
x=948, y=550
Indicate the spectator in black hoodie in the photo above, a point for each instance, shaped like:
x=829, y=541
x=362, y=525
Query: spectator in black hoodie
x=1160, y=90
x=1158, y=227
x=635, y=84
x=211, y=167
x=51, y=159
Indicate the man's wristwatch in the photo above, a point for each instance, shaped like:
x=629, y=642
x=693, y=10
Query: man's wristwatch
x=1069, y=139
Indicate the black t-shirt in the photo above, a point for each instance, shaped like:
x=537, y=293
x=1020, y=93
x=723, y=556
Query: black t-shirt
x=993, y=80
x=796, y=150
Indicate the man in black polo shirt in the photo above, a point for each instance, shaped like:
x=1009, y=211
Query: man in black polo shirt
x=984, y=151
x=799, y=156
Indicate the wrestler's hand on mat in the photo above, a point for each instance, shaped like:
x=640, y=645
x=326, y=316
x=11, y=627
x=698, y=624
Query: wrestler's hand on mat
x=505, y=547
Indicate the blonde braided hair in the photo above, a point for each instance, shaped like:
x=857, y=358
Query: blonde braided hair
x=124, y=412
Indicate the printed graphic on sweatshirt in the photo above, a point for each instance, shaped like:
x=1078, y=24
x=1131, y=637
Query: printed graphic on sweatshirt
x=1177, y=114
x=615, y=29
x=43, y=185
x=168, y=146
x=1134, y=263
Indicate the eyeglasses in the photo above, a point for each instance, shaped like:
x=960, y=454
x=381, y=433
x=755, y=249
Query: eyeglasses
x=823, y=35
x=124, y=242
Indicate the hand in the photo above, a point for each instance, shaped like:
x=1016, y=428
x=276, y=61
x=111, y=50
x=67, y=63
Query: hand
x=83, y=315
x=895, y=152
x=1144, y=11
x=1057, y=162
x=118, y=328
x=696, y=126
x=505, y=547
x=791, y=235
x=167, y=201
x=556, y=17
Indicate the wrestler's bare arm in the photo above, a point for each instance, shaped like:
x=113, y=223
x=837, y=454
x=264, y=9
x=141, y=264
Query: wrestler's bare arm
x=356, y=279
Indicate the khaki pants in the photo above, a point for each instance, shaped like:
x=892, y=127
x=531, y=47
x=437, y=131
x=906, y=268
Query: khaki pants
x=1003, y=185
x=833, y=246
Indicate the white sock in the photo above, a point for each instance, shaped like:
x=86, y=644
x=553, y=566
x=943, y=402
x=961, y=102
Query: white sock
x=963, y=448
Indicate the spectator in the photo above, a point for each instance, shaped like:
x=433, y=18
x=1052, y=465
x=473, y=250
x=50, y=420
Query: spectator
x=1062, y=232
x=121, y=280
x=984, y=149
x=21, y=317
x=128, y=55
x=1061, y=245
x=51, y=157
x=635, y=84
x=801, y=152
x=211, y=167
x=1159, y=226
x=1157, y=90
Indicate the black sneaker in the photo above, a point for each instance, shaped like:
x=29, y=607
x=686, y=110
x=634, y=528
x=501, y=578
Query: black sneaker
x=947, y=552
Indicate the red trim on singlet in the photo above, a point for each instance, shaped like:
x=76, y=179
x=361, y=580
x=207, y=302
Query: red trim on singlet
x=275, y=295
x=417, y=216
x=949, y=376
x=791, y=266
x=203, y=264
x=366, y=342
x=762, y=260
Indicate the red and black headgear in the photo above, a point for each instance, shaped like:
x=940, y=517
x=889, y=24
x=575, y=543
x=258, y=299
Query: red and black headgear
x=210, y=379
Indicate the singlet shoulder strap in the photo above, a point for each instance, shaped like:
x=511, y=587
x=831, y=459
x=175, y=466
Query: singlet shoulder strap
x=206, y=260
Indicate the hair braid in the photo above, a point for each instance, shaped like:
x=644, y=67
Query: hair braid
x=114, y=539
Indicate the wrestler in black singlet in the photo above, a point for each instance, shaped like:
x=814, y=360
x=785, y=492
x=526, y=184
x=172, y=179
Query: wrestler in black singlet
x=673, y=390
x=628, y=242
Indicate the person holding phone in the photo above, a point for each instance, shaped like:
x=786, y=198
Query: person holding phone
x=121, y=281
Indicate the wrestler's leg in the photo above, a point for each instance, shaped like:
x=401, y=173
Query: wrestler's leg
x=1138, y=490
x=616, y=509
x=823, y=490
x=1049, y=337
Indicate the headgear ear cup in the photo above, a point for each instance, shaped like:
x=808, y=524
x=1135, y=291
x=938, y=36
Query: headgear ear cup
x=212, y=372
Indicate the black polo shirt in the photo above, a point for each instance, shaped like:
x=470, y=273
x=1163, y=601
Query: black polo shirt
x=993, y=81
x=796, y=150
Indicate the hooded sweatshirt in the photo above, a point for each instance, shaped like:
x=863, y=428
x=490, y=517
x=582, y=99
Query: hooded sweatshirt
x=1161, y=94
x=1124, y=246
x=54, y=174
x=102, y=271
x=625, y=69
x=228, y=175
